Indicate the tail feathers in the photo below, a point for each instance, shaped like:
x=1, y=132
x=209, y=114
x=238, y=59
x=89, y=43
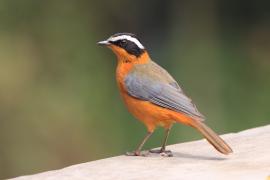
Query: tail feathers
x=218, y=143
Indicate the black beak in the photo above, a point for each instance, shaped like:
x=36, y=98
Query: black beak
x=104, y=43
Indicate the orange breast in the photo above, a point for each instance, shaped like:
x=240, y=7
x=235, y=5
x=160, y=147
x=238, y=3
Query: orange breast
x=150, y=114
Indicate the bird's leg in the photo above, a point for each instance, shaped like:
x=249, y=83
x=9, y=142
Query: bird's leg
x=137, y=152
x=162, y=150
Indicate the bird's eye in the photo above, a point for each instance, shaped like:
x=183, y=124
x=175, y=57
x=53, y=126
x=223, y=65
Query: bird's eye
x=123, y=42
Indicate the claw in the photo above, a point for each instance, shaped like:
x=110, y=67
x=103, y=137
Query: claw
x=162, y=152
x=137, y=153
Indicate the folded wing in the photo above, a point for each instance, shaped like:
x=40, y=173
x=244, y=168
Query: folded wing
x=152, y=83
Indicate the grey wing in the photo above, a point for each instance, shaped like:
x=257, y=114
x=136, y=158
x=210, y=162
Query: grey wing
x=167, y=95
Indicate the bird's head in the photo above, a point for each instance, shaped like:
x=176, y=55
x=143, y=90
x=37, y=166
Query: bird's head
x=126, y=46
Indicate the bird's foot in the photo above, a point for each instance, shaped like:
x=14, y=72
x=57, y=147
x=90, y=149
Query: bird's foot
x=137, y=153
x=162, y=152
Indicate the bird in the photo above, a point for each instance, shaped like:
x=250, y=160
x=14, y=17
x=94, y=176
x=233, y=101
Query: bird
x=152, y=95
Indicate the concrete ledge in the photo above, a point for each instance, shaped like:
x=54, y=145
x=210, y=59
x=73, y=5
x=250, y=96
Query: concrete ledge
x=192, y=160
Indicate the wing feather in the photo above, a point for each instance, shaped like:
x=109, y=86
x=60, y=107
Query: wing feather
x=150, y=82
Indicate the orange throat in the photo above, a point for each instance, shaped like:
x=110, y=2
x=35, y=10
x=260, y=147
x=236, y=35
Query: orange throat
x=125, y=63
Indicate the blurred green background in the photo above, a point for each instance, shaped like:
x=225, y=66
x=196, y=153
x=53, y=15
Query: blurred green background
x=59, y=103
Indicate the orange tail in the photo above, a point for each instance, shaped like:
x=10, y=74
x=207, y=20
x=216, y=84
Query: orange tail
x=218, y=143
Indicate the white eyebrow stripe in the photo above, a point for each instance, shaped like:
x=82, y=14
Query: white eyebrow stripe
x=132, y=39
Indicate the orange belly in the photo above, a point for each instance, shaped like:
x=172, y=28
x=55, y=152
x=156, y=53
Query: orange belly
x=148, y=113
x=152, y=115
